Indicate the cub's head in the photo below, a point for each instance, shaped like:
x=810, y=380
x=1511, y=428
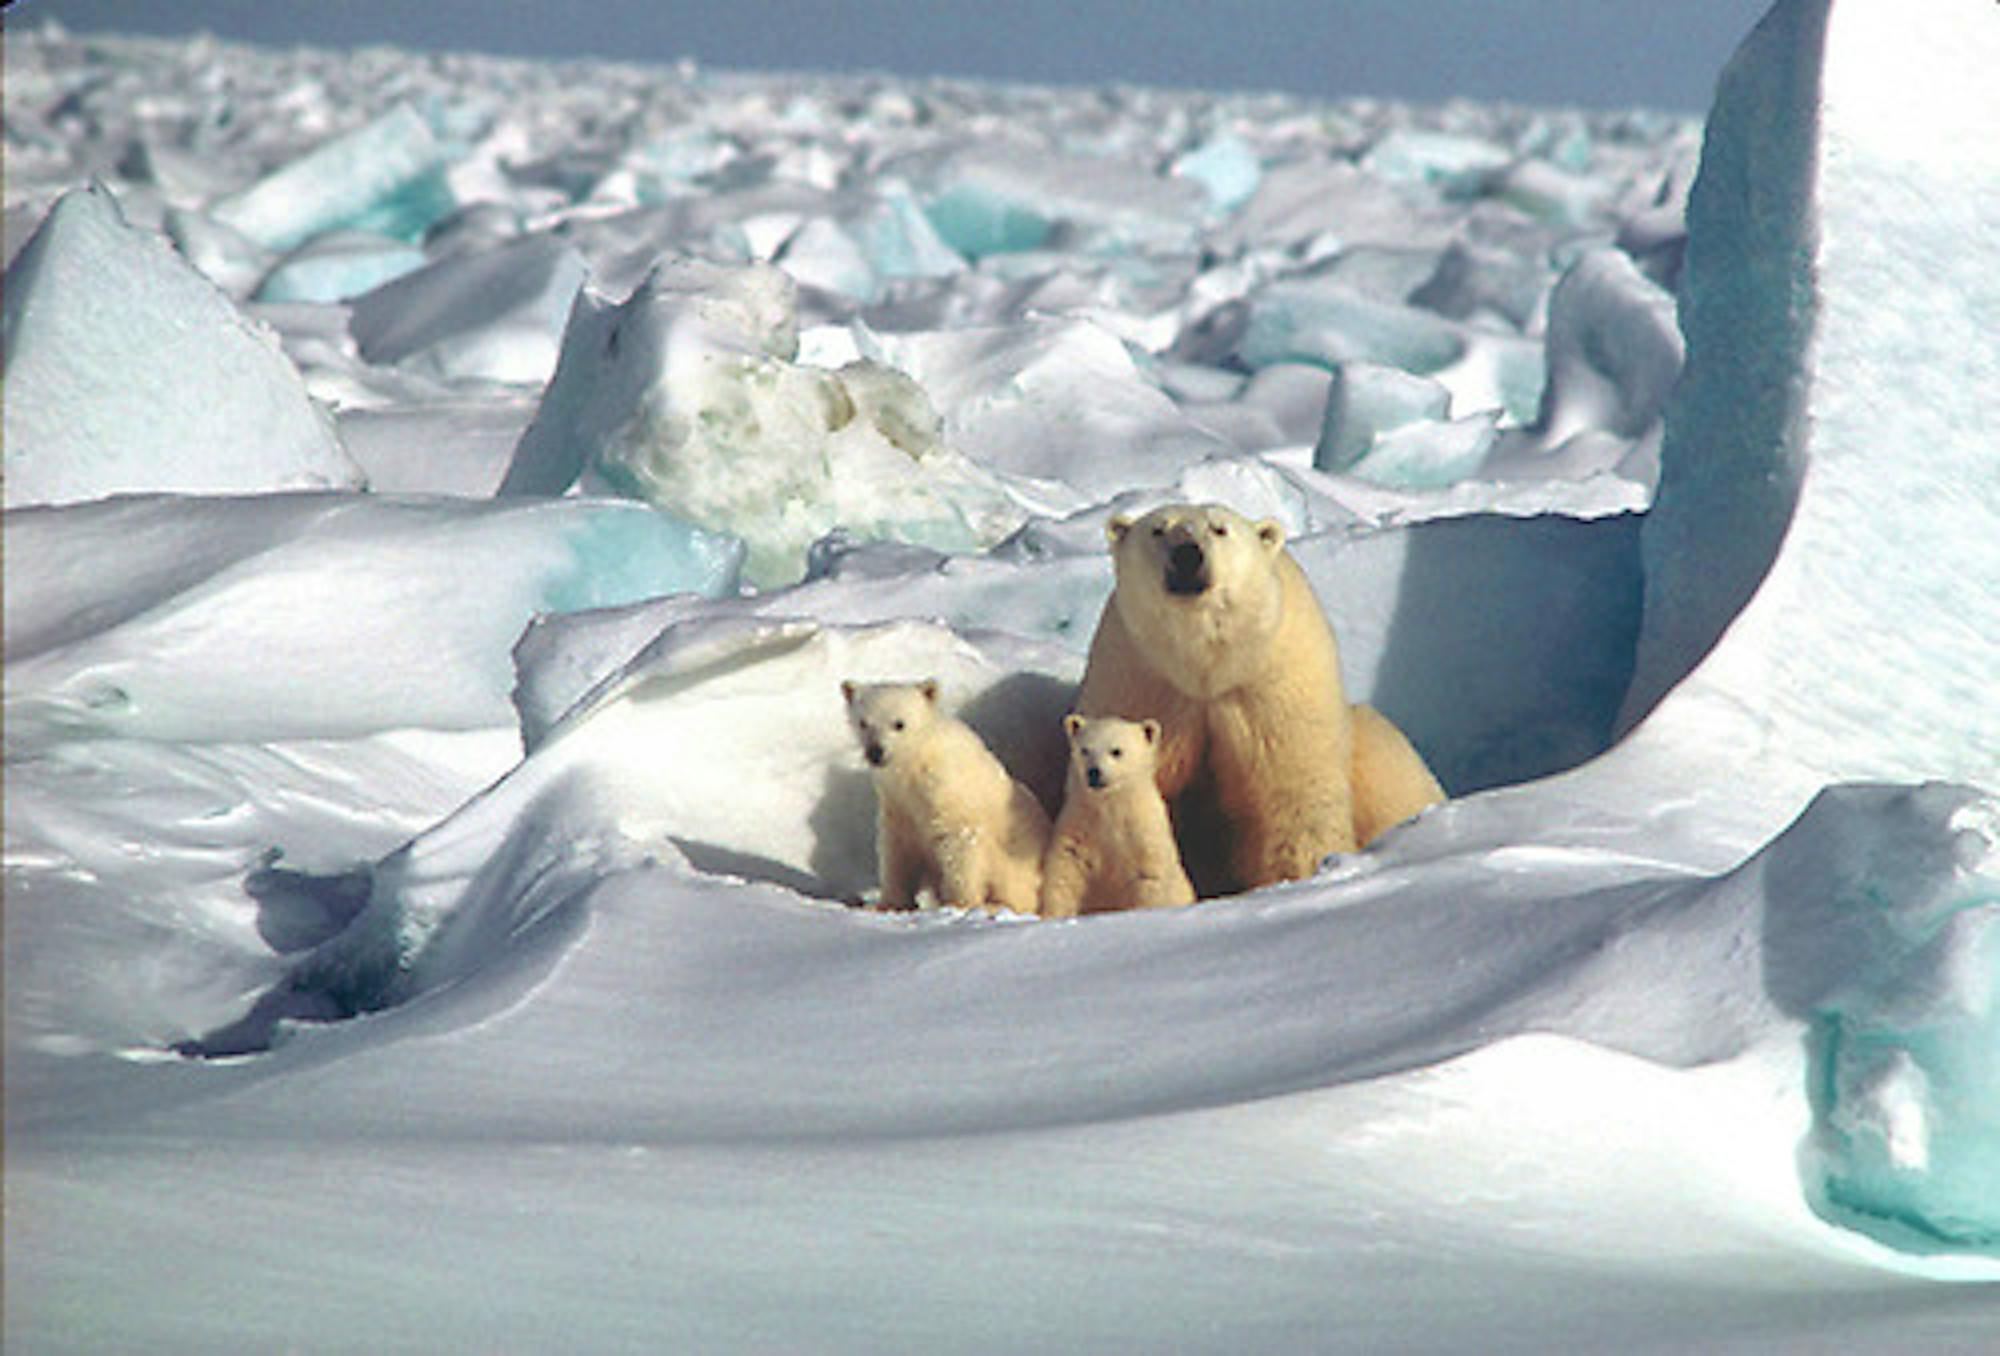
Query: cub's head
x=884, y=716
x=1191, y=551
x=1106, y=753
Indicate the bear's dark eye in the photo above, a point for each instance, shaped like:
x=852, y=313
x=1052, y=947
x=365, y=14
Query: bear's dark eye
x=1221, y=531
x=1118, y=753
x=896, y=725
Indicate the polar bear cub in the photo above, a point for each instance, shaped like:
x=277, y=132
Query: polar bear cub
x=1113, y=846
x=948, y=815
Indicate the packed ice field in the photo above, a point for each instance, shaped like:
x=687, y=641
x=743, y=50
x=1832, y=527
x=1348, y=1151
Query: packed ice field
x=444, y=496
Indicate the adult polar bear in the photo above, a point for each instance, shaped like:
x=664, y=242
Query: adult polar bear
x=1213, y=630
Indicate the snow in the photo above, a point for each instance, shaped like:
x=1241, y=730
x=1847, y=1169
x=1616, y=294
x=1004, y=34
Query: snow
x=428, y=908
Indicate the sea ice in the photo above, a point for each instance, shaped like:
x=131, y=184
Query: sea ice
x=1001, y=199
x=1326, y=322
x=1843, y=265
x=1904, y=1031
x=686, y=396
x=1367, y=400
x=127, y=371
x=387, y=176
x=1455, y=164
x=1593, y=1030
x=1226, y=168
x=133, y=616
x=336, y=265
x=495, y=314
x=1613, y=350
x=1057, y=401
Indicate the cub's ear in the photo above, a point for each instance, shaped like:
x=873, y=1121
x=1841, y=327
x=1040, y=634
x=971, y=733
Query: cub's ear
x=1116, y=529
x=1272, y=533
x=929, y=687
x=1150, y=729
x=1071, y=724
x=847, y=690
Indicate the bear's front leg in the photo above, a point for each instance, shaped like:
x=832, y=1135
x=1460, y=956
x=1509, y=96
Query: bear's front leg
x=962, y=870
x=899, y=863
x=1273, y=848
x=1065, y=881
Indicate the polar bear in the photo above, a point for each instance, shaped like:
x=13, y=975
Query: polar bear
x=1213, y=630
x=948, y=814
x=1113, y=846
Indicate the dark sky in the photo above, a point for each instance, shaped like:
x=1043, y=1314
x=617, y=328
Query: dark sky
x=1595, y=53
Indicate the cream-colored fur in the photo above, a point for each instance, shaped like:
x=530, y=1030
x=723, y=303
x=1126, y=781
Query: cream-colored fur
x=1113, y=846
x=948, y=816
x=1214, y=631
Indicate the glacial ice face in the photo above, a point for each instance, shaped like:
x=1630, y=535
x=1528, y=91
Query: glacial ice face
x=1840, y=297
x=127, y=371
x=686, y=396
x=387, y=176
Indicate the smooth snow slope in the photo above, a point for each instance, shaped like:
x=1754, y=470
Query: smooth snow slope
x=350, y=1007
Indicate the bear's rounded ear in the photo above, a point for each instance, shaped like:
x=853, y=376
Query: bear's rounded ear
x=1071, y=724
x=929, y=687
x=847, y=690
x=1117, y=527
x=1150, y=729
x=1272, y=533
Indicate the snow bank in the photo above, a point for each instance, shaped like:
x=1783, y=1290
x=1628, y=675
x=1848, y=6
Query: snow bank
x=127, y=371
x=726, y=741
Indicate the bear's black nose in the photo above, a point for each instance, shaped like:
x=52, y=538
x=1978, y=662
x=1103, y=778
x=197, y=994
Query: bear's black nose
x=877, y=755
x=1187, y=569
x=1095, y=777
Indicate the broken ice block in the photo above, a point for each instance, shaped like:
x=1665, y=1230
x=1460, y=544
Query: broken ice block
x=338, y=265
x=127, y=371
x=386, y=176
x=686, y=396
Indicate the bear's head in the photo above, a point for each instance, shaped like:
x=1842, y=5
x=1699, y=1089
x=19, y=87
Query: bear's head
x=1189, y=551
x=1107, y=753
x=1201, y=591
x=885, y=716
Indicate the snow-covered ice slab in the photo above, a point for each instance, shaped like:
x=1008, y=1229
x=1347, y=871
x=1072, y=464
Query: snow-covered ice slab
x=1820, y=572
x=229, y=619
x=1829, y=470
x=495, y=314
x=127, y=371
